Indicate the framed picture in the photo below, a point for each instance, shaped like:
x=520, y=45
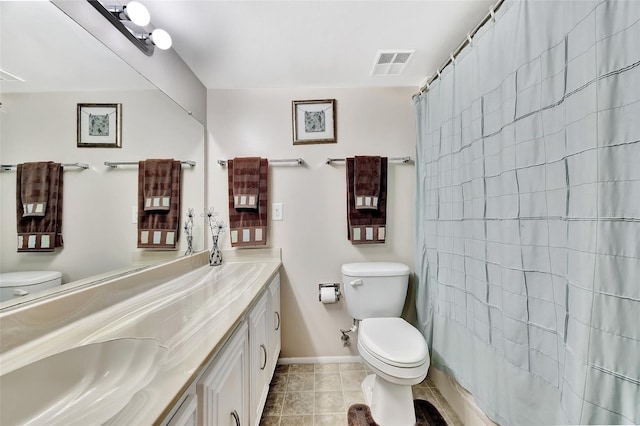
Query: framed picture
x=100, y=125
x=314, y=121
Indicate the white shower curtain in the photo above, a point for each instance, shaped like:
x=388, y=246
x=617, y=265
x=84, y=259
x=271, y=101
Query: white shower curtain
x=528, y=214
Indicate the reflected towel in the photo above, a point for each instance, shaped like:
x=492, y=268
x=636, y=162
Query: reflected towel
x=159, y=228
x=34, y=188
x=158, y=184
x=39, y=232
x=366, y=226
x=246, y=182
x=367, y=182
x=248, y=227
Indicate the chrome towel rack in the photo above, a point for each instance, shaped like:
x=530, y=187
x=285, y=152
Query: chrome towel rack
x=114, y=164
x=298, y=161
x=403, y=160
x=9, y=167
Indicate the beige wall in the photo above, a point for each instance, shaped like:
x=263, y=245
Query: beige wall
x=313, y=233
x=97, y=229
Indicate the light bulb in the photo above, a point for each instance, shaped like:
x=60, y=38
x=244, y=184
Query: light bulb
x=137, y=13
x=161, y=39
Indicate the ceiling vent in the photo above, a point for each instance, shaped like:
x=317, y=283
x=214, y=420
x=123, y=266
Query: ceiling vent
x=391, y=62
x=7, y=76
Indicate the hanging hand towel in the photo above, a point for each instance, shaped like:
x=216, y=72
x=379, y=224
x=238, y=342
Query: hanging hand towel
x=246, y=182
x=39, y=189
x=159, y=228
x=34, y=188
x=366, y=226
x=248, y=227
x=367, y=182
x=158, y=182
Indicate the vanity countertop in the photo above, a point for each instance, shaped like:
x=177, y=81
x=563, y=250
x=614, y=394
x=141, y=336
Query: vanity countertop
x=191, y=315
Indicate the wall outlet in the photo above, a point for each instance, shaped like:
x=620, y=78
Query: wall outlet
x=276, y=211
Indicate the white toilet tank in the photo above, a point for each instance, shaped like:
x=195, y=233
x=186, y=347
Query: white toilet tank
x=375, y=289
x=19, y=284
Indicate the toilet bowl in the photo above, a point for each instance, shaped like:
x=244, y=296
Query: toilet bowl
x=398, y=356
x=389, y=346
x=14, y=285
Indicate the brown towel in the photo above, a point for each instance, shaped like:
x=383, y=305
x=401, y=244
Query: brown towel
x=159, y=228
x=158, y=183
x=34, y=187
x=367, y=182
x=366, y=226
x=39, y=232
x=249, y=227
x=246, y=182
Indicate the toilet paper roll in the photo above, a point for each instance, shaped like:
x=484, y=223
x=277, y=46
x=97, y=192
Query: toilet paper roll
x=328, y=295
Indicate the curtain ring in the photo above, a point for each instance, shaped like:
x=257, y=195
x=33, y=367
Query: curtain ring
x=438, y=72
x=453, y=59
x=493, y=15
x=469, y=39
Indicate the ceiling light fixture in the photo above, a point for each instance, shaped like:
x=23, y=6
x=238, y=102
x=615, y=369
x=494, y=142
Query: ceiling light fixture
x=131, y=21
x=134, y=11
x=158, y=37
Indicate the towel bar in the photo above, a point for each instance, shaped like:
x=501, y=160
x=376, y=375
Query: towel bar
x=404, y=160
x=9, y=167
x=299, y=161
x=114, y=164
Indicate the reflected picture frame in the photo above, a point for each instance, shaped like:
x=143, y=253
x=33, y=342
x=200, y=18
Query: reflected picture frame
x=99, y=125
x=314, y=121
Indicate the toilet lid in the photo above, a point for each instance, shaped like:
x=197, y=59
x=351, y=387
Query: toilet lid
x=393, y=341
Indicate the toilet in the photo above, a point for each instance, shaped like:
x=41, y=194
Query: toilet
x=19, y=284
x=390, y=347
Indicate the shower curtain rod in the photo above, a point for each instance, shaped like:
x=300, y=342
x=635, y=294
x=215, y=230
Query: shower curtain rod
x=404, y=160
x=9, y=167
x=115, y=164
x=457, y=50
x=298, y=161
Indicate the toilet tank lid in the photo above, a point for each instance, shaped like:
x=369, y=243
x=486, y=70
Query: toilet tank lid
x=375, y=269
x=17, y=279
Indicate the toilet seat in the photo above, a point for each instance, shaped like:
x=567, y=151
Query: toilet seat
x=393, y=341
x=393, y=350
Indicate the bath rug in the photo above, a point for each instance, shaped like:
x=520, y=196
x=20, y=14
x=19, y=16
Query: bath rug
x=426, y=415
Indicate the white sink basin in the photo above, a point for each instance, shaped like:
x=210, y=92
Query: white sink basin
x=81, y=386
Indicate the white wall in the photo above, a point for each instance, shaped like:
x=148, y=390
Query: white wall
x=313, y=233
x=97, y=229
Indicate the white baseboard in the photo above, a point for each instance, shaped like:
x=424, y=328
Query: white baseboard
x=319, y=360
x=460, y=399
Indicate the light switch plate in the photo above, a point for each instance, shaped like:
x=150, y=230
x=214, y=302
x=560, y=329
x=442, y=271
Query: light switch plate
x=276, y=211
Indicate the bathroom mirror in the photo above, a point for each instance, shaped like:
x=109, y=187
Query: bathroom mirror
x=50, y=64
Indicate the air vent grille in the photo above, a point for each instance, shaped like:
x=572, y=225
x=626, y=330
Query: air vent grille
x=391, y=62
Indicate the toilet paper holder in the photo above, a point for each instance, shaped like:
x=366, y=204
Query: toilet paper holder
x=336, y=289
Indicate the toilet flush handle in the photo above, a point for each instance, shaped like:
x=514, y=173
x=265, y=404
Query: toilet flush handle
x=356, y=282
x=20, y=292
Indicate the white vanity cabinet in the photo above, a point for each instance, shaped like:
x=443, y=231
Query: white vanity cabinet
x=276, y=322
x=232, y=389
x=259, y=322
x=187, y=414
x=264, y=339
x=223, y=390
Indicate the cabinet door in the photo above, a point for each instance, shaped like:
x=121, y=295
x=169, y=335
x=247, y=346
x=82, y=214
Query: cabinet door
x=223, y=393
x=186, y=414
x=258, y=341
x=276, y=323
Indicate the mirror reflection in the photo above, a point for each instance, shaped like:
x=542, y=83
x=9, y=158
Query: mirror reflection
x=45, y=75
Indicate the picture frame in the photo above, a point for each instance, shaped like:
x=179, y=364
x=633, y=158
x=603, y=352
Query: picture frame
x=99, y=125
x=314, y=121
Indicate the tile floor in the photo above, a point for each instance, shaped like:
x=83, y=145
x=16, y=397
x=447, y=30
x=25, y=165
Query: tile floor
x=320, y=394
